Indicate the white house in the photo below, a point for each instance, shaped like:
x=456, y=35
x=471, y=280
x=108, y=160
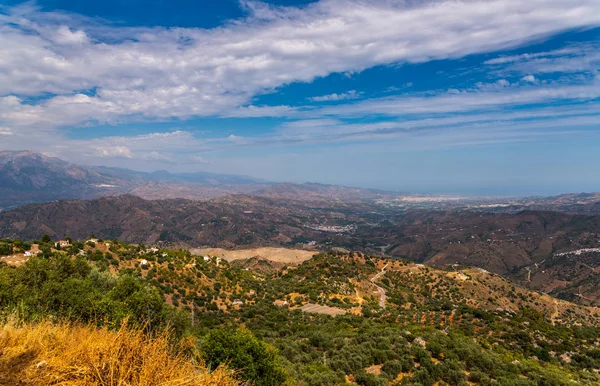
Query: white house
x=144, y=263
x=238, y=302
x=62, y=243
x=207, y=259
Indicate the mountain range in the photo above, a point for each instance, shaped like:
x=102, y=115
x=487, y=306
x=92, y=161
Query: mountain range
x=27, y=177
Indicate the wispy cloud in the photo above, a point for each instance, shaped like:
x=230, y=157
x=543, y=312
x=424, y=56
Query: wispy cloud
x=6, y=131
x=352, y=94
x=576, y=57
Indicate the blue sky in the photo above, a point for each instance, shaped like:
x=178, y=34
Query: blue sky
x=476, y=97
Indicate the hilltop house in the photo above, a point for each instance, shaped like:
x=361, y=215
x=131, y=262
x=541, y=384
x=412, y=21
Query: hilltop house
x=62, y=244
x=33, y=251
x=207, y=259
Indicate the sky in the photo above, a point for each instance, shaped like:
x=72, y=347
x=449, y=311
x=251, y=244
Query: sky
x=472, y=97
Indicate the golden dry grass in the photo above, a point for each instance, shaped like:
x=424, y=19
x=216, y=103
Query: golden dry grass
x=67, y=354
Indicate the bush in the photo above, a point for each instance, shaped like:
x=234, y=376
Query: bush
x=239, y=349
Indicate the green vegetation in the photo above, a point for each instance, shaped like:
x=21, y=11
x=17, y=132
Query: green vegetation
x=430, y=332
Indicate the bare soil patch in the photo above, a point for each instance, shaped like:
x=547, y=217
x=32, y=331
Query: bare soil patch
x=281, y=255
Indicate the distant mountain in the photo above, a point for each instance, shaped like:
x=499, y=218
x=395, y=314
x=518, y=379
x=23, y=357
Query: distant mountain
x=27, y=177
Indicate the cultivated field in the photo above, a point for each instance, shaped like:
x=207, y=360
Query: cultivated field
x=281, y=255
x=318, y=309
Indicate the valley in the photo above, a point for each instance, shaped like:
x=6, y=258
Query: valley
x=366, y=286
x=525, y=247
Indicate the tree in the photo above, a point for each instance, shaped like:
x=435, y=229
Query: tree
x=241, y=350
x=46, y=239
x=5, y=249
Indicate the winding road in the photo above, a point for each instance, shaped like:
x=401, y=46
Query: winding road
x=382, y=294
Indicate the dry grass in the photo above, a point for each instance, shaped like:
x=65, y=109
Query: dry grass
x=66, y=354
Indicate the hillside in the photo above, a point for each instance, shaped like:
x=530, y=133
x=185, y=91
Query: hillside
x=502, y=243
x=435, y=325
x=573, y=275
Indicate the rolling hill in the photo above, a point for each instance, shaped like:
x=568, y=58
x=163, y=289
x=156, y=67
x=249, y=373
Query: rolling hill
x=506, y=244
x=394, y=320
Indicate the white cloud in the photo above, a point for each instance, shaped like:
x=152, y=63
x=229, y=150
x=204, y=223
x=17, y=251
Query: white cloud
x=235, y=138
x=196, y=159
x=513, y=126
x=484, y=97
x=6, y=131
x=109, y=75
x=529, y=78
x=352, y=94
x=117, y=151
x=64, y=35
x=574, y=58
x=164, y=73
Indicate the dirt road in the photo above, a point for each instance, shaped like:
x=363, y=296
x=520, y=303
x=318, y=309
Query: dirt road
x=382, y=294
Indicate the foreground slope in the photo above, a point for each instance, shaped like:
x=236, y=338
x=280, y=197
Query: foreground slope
x=436, y=326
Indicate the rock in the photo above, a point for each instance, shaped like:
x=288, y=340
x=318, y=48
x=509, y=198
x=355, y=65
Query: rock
x=420, y=342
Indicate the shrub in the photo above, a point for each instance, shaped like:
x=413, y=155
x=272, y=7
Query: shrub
x=239, y=349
